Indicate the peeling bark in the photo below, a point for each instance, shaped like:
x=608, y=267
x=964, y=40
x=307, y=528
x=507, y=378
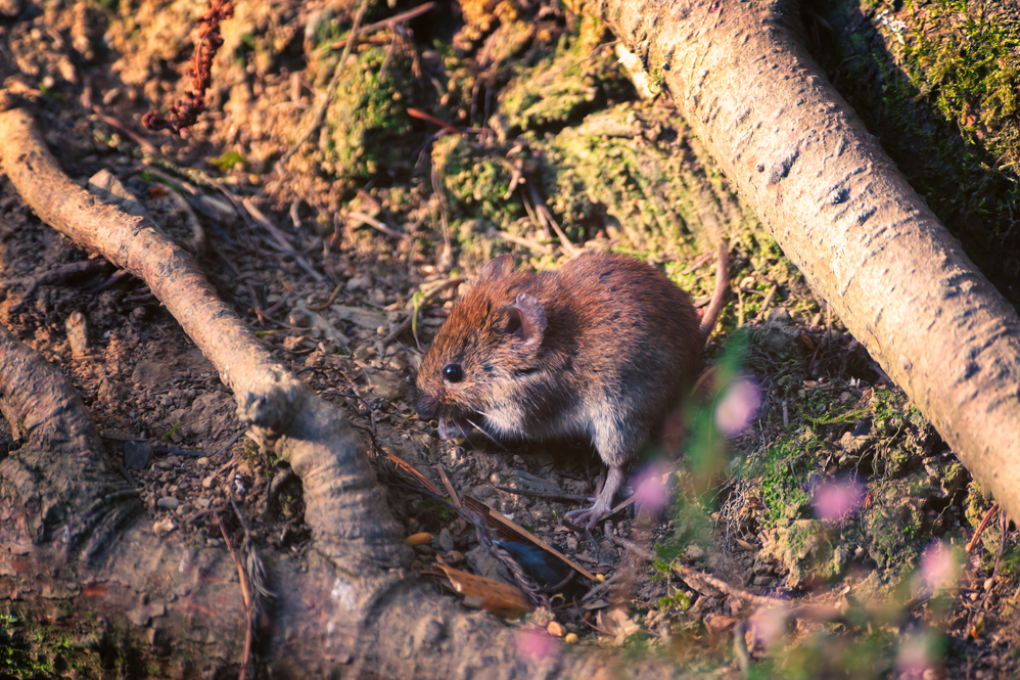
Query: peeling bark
x=843, y=213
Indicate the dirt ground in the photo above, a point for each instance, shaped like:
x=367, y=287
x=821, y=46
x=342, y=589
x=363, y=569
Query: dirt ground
x=837, y=492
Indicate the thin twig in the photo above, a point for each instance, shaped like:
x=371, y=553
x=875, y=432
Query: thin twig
x=702, y=577
x=280, y=239
x=449, y=486
x=546, y=216
x=372, y=222
x=539, y=248
x=247, y=663
x=981, y=527
x=386, y=23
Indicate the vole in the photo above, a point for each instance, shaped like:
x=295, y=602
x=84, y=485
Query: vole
x=601, y=349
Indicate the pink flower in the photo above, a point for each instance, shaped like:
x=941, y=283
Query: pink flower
x=939, y=567
x=835, y=501
x=914, y=657
x=738, y=407
x=650, y=487
x=536, y=644
x=767, y=626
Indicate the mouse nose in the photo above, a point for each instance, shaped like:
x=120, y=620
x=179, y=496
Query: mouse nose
x=426, y=404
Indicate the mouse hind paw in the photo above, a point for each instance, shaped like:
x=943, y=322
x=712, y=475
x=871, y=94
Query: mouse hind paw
x=587, y=518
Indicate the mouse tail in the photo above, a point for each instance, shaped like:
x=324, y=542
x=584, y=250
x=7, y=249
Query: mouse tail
x=722, y=284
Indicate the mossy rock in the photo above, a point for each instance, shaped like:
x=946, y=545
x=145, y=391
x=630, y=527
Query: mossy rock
x=367, y=119
x=805, y=547
x=895, y=530
x=562, y=86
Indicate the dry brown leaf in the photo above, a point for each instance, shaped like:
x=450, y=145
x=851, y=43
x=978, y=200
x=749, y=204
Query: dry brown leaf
x=482, y=593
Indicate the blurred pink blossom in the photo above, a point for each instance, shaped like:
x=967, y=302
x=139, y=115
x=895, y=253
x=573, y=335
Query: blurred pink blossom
x=738, y=407
x=536, y=644
x=835, y=501
x=767, y=626
x=914, y=658
x=939, y=567
x=650, y=487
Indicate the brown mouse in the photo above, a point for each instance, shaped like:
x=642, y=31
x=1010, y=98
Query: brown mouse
x=602, y=349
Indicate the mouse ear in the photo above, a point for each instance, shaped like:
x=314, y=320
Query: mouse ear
x=527, y=321
x=498, y=268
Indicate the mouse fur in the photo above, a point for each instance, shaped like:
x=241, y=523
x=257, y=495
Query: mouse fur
x=601, y=349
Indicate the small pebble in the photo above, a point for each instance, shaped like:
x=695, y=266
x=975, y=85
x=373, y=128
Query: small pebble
x=361, y=282
x=163, y=527
x=168, y=503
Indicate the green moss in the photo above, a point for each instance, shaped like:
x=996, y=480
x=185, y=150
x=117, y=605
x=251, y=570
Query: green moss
x=636, y=172
x=806, y=548
x=50, y=646
x=937, y=82
x=783, y=476
x=560, y=86
x=367, y=118
x=228, y=161
x=475, y=182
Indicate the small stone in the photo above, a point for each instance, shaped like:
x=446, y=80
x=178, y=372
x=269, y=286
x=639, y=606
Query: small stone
x=203, y=502
x=454, y=557
x=208, y=482
x=388, y=385
x=419, y=538
x=204, y=461
x=163, y=527
x=77, y=328
x=151, y=374
x=12, y=8
x=445, y=540
x=168, y=503
x=137, y=454
x=483, y=491
x=556, y=629
x=397, y=364
x=299, y=317
x=360, y=282
x=694, y=552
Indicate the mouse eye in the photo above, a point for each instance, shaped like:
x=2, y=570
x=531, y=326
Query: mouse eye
x=453, y=373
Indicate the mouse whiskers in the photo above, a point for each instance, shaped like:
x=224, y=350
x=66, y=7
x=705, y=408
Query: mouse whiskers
x=486, y=433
